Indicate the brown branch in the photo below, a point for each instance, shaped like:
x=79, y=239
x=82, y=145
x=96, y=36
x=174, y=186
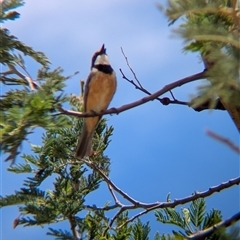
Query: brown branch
x=110, y=183
x=73, y=227
x=164, y=101
x=28, y=80
x=138, y=85
x=139, y=102
x=207, y=232
x=176, y=202
x=152, y=206
x=224, y=141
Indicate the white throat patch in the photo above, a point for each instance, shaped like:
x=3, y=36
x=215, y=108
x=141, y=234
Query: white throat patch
x=102, y=59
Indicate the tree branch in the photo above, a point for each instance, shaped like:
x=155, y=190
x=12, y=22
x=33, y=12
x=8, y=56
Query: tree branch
x=153, y=206
x=134, y=74
x=27, y=79
x=118, y=203
x=73, y=227
x=109, y=182
x=207, y=232
x=139, y=102
x=224, y=141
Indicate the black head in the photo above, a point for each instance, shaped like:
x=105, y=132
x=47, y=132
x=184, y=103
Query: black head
x=102, y=51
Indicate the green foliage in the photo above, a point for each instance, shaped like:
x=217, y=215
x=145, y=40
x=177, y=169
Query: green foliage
x=212, y=29
x=60, y=234
x=6, y=6
x=24, y=110
x=140, y=231
x=73, y=182
x=191, y=219
x=31, y=104
x=10, y=43
x=233, y=234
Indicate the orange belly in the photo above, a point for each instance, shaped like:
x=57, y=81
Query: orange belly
x=100, y=92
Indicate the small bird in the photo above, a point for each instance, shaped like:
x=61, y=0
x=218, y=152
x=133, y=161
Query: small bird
x=99, y=90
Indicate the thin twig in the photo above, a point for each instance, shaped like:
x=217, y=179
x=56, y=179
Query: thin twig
x=134, y=74
x=164, y=101
x=110, y=183
x=224, y=141
x=172, y=95
x=139, y=86
x=112, y=220
x=136, y=216
x=28, y=80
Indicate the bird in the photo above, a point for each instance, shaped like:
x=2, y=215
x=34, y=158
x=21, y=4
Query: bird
x=100, y=88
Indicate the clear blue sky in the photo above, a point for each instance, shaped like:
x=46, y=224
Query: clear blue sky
x=155, y=149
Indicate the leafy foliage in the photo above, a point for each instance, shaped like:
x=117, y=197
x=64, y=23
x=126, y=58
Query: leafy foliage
x=191, y=220
x=212, y=28
x=9, y=43
x=23, y=110
x=140, y=231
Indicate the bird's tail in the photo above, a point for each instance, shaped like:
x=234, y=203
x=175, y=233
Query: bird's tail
x=84, y=146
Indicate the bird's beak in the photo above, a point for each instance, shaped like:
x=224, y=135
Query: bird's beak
x=103, y=50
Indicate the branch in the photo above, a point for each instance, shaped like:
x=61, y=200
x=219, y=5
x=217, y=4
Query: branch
x=152, y=206
x=139, y=102
x=28, y=80
x=135, y=217
x=207, y=232
x=176, y=202
x=73, y=227
x=118, y=203
x=110, y=183
x=138, y=85
x=134, y=74
x=224, y=141
x=112, y=221
x=164, y=101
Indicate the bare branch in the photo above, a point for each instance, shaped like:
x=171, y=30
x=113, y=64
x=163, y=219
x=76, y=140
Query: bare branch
x=112, y=221
x=153, y=206
x=135, y=217
x=134, y=74
x=71, y=220
x=139, y=102
x=27, y=79
x=110, y=183
x=164, y=101
x=224, y=141
x=114, y=196
x=207, y=232
x=138, y=85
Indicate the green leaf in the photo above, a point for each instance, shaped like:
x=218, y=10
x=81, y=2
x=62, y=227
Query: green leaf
x=197, y=211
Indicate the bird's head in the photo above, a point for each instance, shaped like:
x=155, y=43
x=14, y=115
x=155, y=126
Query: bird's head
x=100, y=57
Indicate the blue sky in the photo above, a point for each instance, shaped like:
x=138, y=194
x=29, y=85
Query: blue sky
x=155, y=149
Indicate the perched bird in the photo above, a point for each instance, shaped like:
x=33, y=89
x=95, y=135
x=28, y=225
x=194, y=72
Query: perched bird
x=99, y=90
